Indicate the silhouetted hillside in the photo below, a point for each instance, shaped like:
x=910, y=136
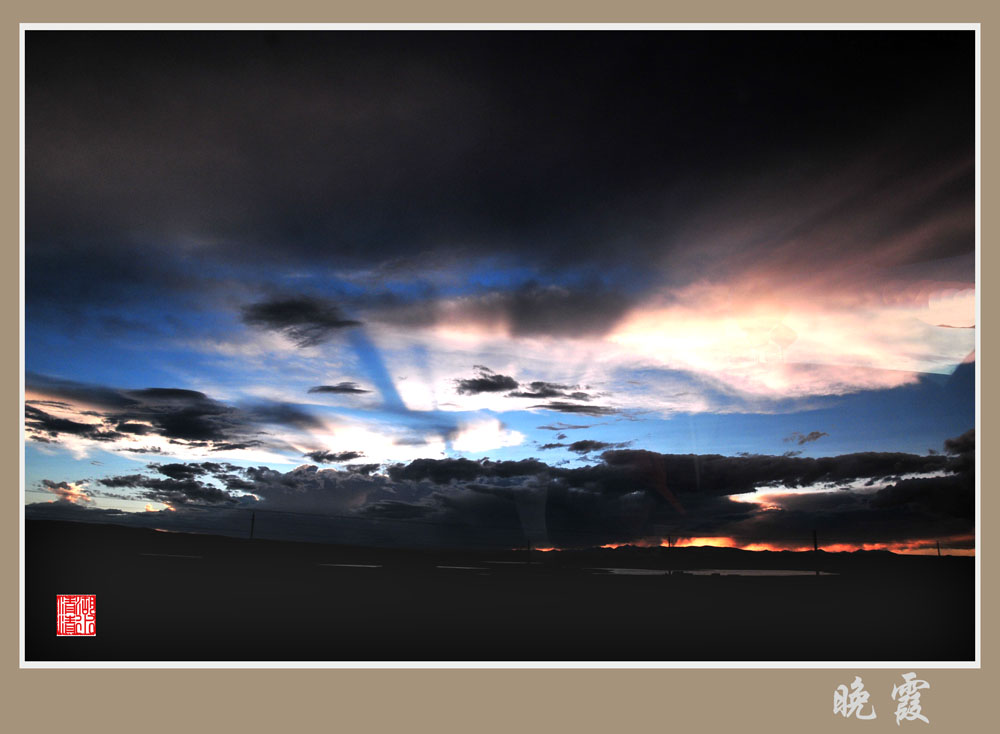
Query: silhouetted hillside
x=172, y=596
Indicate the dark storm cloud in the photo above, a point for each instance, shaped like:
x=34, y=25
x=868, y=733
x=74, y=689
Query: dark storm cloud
x=168, y=394
x=962, y=445
x=341, y=388
x=191, y=470
x=491, y=382
x=366, y=469
x=621, y=499
x=631, y=490
x=529, y=309
x=630, y=470
x=309, y=489
x=803, y=439
x=395, y=510
x=707, y=474
x=134, y=428
x=328, y=457
x=583, y=447
x=443, y=471
x=963, y=452
x=179, y=471
x=542, y=390
x=555, y=310
x=440, y=471
x=184, y=484
x=282, y=414
x=953, y=496
x=171, y=491
x=562, y=407
x=522, y=309
x=228, y=445
x=306, y=321
x=182, y=416
x=628, y=496
x=714, y=474
x=587, y=445
x=488, y=381
x=925, y=509
x=44, y=427
x=359, y=149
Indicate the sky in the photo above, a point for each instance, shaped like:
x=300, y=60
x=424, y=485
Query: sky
x=463, y=288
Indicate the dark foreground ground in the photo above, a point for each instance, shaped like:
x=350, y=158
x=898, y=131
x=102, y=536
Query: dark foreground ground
x=170, y=596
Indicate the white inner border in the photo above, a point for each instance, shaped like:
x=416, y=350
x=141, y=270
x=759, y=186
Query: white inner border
x=976, y=664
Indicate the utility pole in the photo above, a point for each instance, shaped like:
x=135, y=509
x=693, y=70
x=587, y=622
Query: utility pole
x=939, y=548
x=816, y=550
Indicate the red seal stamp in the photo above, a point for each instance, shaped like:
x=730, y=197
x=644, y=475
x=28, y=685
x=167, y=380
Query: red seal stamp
x=76, y=615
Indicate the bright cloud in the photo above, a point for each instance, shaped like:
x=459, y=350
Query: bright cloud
x=484, y=436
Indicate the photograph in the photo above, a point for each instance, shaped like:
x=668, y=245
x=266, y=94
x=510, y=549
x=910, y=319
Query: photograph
x=469, y=346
